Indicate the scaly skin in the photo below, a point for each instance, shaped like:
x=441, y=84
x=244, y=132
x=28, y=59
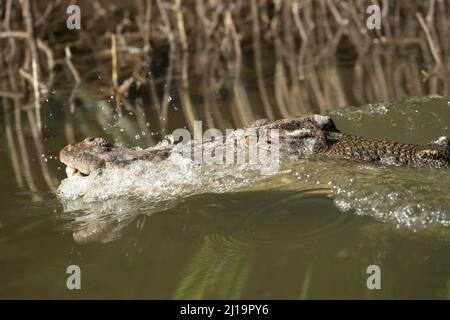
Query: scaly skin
x=310, y=136
x=317, y=136
x=433, y=155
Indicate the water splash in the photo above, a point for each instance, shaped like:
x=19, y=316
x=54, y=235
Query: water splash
x=156, y=180
x=405, y=196
x=175, y=177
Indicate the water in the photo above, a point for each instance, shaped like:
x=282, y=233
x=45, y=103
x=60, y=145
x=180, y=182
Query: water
x=176, y=230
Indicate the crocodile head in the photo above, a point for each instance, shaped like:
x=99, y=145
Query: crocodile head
x=94, y=154
x=86, y=156
x=91, y=154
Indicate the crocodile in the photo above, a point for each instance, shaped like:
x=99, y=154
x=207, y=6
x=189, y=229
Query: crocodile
x=305, y=137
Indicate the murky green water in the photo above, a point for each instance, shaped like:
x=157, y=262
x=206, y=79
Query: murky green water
x=310, y=231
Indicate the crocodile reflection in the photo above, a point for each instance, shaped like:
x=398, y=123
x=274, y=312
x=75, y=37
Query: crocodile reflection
x=104, y=221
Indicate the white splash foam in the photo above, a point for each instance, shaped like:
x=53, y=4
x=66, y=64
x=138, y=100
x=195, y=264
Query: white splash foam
x=175, y=177
x=405, y=196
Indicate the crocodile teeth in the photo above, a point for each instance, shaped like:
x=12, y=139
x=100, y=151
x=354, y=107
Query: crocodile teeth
x=71, y=172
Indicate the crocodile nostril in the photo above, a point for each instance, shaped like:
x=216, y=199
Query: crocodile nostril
x=89, y=139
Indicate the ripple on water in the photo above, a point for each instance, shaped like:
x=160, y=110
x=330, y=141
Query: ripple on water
x=295, y=216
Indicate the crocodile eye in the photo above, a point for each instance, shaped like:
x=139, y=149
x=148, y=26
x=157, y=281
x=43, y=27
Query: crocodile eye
x=92, y=141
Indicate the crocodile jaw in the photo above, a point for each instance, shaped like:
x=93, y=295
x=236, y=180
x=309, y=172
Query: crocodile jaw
x=71, y=172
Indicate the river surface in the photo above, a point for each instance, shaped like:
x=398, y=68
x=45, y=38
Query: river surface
x=176, y=231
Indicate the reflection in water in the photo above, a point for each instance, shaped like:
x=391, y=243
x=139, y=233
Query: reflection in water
x=104, y=221
x=218, y=270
